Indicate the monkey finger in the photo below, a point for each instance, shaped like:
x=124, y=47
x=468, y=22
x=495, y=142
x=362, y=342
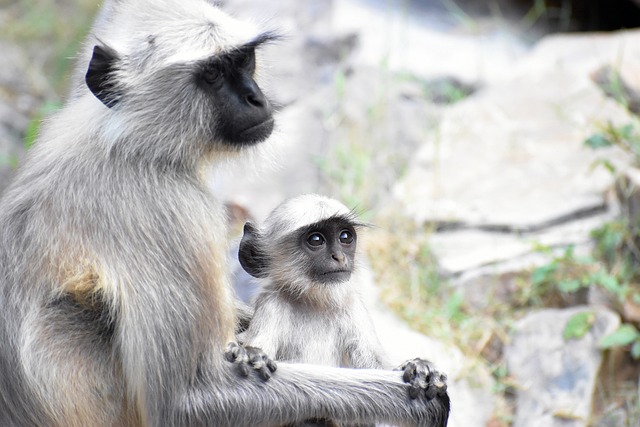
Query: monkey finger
x=264, y=373
x=272, y=365
x=414, y=391
x=243, y=369
x=440, y=384
x=431, y=391
x=437, y=382
x=403, y=366
x=410, y=371
x=231, y=356
x=233, y=351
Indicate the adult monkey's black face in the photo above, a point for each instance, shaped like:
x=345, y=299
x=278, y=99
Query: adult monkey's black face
x=244, y=116
x=237, y=112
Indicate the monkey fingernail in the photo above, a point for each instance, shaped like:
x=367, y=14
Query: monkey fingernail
x=244, y=370
x=272, y=365
x=440, y=384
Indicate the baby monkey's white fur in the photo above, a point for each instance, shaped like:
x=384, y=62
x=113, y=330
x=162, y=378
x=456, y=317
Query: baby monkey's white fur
x=298, y=320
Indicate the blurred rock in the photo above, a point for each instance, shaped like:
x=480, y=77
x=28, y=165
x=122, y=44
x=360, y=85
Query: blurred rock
x=508, y=170
x=483, y=248
x=512, y=155
x=555, y=379
x=428, y=41
x=488, y=267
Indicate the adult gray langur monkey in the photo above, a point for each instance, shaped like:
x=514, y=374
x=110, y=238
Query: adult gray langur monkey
x=115, y=305
x=310, y=308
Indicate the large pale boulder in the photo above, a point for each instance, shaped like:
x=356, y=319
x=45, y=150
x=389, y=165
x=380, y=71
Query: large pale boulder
x=508, y=169
x=556, y=378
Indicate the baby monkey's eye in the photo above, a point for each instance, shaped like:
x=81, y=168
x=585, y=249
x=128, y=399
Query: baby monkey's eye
x=346, y=237
x=315, y=239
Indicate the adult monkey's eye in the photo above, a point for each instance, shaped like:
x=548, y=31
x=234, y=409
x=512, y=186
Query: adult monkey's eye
x=346, y=237
x=315, y=239
x=213, y=73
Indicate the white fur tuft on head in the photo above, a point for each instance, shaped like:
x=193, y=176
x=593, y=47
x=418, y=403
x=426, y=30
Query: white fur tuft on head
x=303, y=210
x=193, y=36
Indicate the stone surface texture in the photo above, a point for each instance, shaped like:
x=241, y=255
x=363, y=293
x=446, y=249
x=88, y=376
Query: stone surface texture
x=555, y=379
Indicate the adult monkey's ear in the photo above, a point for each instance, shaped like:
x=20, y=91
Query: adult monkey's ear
x=251, y=257
x=100, y=75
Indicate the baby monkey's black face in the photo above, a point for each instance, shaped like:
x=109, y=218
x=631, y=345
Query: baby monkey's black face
x=322, y=252
x=330, y=247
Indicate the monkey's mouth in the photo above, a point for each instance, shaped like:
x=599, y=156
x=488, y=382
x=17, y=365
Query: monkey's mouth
x=259, y=132
x=335, y=276
x=335, y=272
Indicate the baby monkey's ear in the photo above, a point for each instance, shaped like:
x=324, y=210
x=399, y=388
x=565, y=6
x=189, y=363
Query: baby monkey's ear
x=251, y=255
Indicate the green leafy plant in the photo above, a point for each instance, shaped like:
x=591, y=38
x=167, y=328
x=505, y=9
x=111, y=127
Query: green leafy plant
x=626, y=137
x=617, y=241
x=625, y=335
x=565, y=274
x=578, y=325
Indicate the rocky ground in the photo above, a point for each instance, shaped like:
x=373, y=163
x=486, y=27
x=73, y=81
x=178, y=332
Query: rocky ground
x=471, y=130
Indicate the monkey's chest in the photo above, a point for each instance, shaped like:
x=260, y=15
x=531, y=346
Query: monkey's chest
x=317, y=342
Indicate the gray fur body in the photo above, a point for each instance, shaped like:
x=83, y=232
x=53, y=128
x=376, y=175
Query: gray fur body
x=115, y=306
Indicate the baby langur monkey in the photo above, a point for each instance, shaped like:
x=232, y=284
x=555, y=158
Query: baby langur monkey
x=310, y=309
